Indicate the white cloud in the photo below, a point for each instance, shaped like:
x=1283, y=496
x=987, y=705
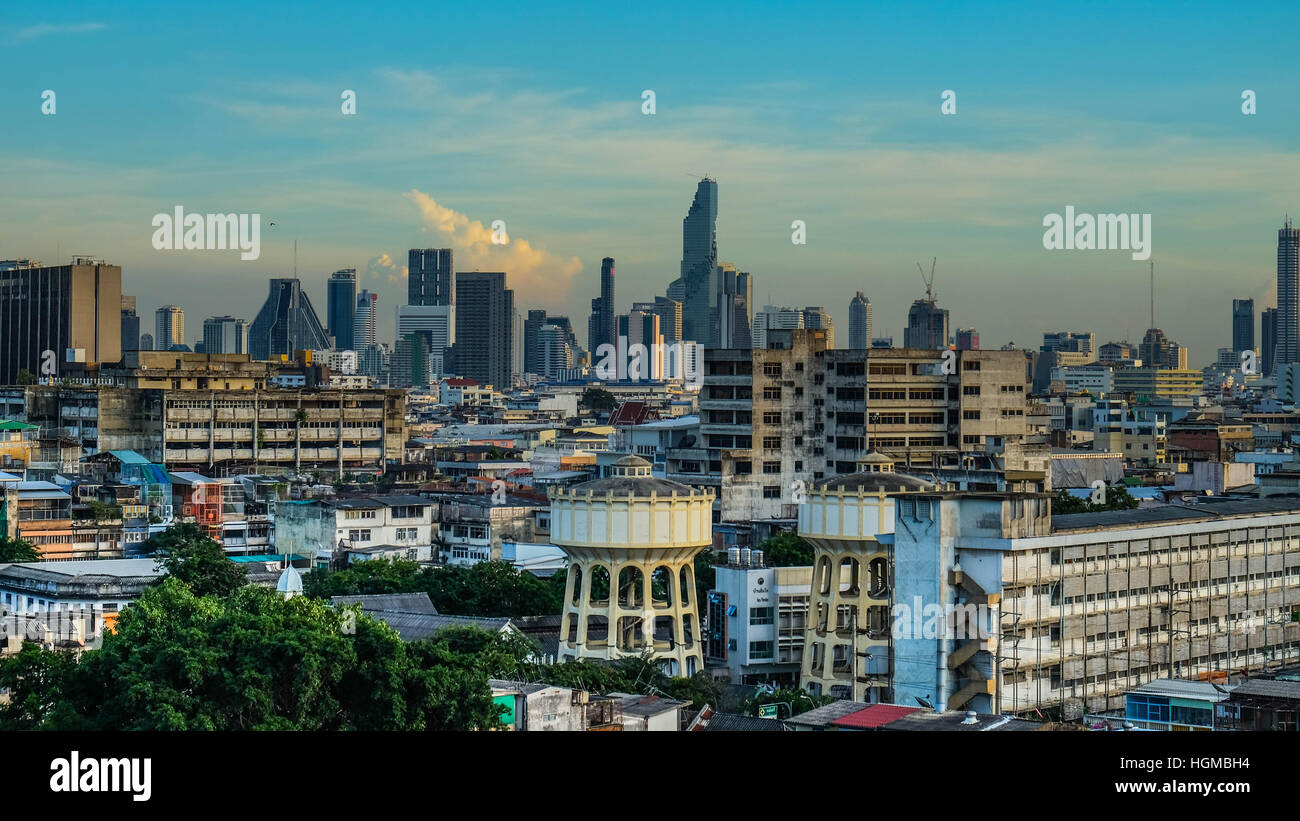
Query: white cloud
x=45, y=29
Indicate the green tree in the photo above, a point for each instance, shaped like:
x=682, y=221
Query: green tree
x=800, y=701
x=105, y=511
x=251, y=660
x=1116, y=497
x=787, y=550
x=378, y=576
x=17, y=550
x=26, y=377
x=188, y=555
x=491, y=588
x=705, y=577
x=597, y=399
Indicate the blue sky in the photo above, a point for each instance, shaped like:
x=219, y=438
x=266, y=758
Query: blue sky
x=532, y=114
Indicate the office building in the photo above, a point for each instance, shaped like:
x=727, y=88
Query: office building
x=774, y=318
x=699, y=266
x=816, y=317
x=1287, y=339
x=600, y=327
x=341, y=307
x=169, y=327
x=62, y=308
x=927, y=326
x=968, y=339
x=365, y=320
x=1243, y=324
x=484, y=328
x=429, y=277
x=225, y=334
x=436, y=323
x=1268, y=340
x=286, y=323
x=860, y=322
x=130, y=325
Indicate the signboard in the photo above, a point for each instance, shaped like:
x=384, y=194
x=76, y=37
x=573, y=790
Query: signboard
x=769, y=711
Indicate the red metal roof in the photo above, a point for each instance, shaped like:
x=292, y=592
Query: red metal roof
x=877, y=715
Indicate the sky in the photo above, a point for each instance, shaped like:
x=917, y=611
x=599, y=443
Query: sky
x=532, y=114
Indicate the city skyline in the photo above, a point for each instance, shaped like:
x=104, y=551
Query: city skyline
x=858, y=149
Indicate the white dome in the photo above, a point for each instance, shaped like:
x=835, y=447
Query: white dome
x=290, y=581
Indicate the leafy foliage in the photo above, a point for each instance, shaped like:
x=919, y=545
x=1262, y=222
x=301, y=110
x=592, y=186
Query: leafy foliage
x=787, y=550
x=188, y=555
x=482, y=589
x=1117, y=498
x=800, y=701
x=17, y=550
x=251, y=660
x=597, y=399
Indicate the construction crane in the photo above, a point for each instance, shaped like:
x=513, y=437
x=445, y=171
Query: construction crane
x=929, y=281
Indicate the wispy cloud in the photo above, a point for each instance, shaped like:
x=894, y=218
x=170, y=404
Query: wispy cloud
x=46, y=29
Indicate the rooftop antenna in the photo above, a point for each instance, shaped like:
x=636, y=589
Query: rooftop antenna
x=929, y=281
x=295, y=259
x=1153, y=293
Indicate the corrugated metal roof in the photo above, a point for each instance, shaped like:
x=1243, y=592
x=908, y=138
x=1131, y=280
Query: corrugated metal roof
x=874, y=716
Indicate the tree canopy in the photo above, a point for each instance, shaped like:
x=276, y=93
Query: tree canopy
x=597, y=399
x=787, y=550
x=250, y=660
x=1116, y=497
x=187, y=554
x=482, y=589
x=17, y=550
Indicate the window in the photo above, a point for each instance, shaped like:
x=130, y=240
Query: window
x=772, y=393
x=771, y=491
x=771, y=368
x=760, y=649
x=772, y=418
x=970, y=365
x=771, y=443
x=771, y=467
x=970, y=414
x=761, y=615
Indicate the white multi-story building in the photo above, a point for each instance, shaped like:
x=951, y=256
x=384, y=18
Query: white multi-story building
x=436, y=322
x=320, y=527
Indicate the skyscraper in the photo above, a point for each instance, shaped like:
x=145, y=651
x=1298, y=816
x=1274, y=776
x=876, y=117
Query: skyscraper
x=699, y=266
x=436, y=323
x=733, y=307
x=1287, y=341
x=927, y=326
x=772, y=318
x=600, y=326
x=286, y=323
x=968, y=339
x=1243, y=325
x=225, y=334
x=484, y=328
x=364, y=322
x=341, y=307
x=429, y=279
x=169, y=327
x=860, y=322
x=130, y=325
x=56, y=308
x=816, y=317
x=1267, y=340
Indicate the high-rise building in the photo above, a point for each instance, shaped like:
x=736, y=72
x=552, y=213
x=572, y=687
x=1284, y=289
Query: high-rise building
x=60, y=308
x=1243, y=325
x=429, y=277
x=699, y=266
x=600, y=325
x=364, y=319
x=1267, y=339
x=556, y=351
x=968, y=339
x=130, y=325
x=733, y=309
x=146, y=342
x=927, y=326
x=860, y=322
x=1080, y=342
x=1158, y=351
x=286, y=323
x=341, y=307
x=669, y=312
x=169, y=327
x=436, y=323
x=773, y=318
x=225, y=334
x=538, y=346
x=411, y=364
x=484, y=328
x=817, y=318
x=646, y=362
x=1287, y=339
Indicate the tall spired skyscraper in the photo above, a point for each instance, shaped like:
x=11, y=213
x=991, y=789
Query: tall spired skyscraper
x=286, y=323
x=699, y=266
x=600, y=327
x=1287, y=340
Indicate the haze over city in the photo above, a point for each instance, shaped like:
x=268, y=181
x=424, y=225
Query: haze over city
x=466, y=116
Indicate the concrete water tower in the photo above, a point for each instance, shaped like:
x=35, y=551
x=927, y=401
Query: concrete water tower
x=631, y=540
x=847, y=646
